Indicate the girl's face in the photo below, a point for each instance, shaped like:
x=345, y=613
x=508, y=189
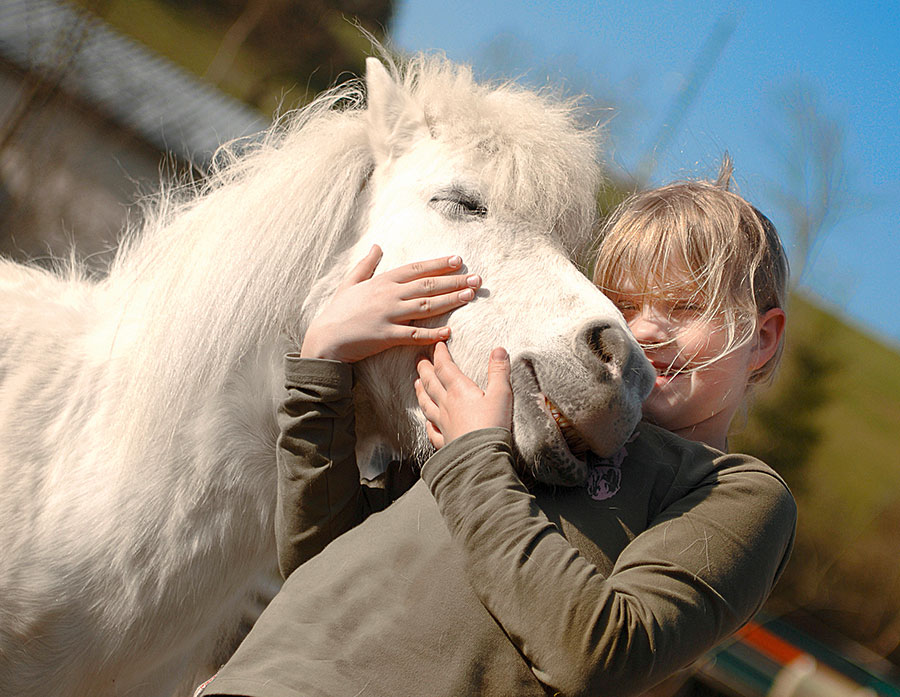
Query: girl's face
x=698, y=389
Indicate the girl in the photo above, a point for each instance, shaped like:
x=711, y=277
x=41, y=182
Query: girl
x=473, y=584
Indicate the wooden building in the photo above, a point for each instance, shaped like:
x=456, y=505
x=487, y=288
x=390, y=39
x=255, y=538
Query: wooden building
x=89, y=121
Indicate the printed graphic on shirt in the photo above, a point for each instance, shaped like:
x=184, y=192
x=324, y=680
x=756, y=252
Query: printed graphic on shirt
x=605, y=474
x=603, y=481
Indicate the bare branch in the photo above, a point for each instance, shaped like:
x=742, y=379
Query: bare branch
x=813, y=189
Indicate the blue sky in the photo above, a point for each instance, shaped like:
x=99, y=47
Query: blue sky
x=638, y=57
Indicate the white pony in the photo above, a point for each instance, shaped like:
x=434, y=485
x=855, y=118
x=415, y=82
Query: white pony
x=137, y=430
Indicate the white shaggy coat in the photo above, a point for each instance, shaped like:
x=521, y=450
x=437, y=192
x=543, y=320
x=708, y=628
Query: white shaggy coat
x=137, y=430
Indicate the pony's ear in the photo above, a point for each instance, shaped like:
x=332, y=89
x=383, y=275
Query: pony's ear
x=395, y=121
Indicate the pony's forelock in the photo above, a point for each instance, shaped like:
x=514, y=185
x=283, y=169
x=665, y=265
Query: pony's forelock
x=540, y=154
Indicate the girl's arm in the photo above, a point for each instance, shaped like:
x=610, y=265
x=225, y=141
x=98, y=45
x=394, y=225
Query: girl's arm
x=320, y=494
x=319, y=490
x=699, y=571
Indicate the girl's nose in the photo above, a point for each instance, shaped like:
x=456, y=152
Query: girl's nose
x=649, y=326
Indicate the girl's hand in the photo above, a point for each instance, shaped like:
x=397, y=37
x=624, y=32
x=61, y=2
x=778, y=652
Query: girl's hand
x=454, y=405
x=369, y=314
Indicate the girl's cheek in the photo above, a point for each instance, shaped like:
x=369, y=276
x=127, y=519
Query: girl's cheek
x=702, y=339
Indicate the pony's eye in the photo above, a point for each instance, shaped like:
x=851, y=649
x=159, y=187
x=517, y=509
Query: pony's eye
x=456, y=204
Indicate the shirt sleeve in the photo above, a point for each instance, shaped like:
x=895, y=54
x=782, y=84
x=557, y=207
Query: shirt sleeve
x=320, y=494
x=699, y=571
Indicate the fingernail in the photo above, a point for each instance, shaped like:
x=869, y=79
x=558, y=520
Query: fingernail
x=499, y=354
x=466, y=294
x=444, y=333
x=454, y=261
x=473, y=281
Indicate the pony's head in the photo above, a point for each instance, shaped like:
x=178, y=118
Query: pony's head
x=431, y=163
x=507, y=179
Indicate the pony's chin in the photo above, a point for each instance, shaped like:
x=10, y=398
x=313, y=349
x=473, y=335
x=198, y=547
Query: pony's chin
x=559, y=467
x=553, y=449
x=550, y=446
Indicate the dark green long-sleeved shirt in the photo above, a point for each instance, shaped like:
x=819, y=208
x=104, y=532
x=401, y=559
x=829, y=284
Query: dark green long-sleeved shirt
x=470, y=584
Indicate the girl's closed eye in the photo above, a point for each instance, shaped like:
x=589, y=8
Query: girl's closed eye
x=628, y=307
x=688, y=306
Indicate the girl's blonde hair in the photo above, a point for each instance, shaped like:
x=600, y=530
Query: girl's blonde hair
x=736, y=265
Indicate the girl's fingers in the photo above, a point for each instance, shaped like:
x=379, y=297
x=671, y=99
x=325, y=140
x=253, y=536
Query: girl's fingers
x=434, y=435
x=432, y=415
x=402, y=335
x=426, y=404
x=430, y=286
x=365, y=267
x=430, y=382
x=423, y=308
x=421, y=269
x=445, y=370
x=498, y=373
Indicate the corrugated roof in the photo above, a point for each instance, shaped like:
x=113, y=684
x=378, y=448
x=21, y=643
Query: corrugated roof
x=143, y=91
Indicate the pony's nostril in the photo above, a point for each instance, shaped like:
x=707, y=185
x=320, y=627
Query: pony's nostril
x=609, y=350
x=606, y=343
x=597, y=344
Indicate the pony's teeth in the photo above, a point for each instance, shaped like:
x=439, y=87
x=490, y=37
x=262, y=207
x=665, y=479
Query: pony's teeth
x=576, y=444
